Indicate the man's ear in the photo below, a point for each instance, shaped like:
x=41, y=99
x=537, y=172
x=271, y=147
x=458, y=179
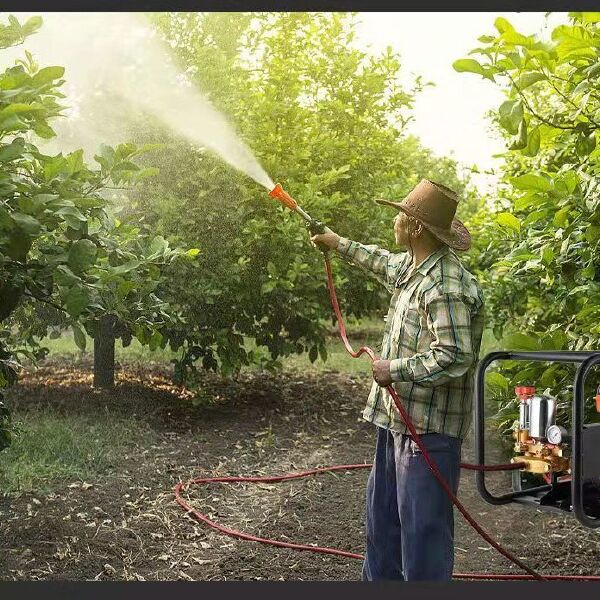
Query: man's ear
x=416, y=228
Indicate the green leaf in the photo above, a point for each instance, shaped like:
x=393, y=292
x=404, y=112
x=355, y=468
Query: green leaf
x=528, y=79
x=502, y=25
x=531, y=182
x=79, y=336
x=520, y=341
x=155, y=340
x=313, y=354
x=271, y=269
x=192, y=252
x=497, y=380
x=592, y=233
x=125, y=267
x=581, y=88
x=507, y=219
x=547, y=255
x=511, y=115
x=47, y=74
x=44, y=130
x=18, y=245
x=74, y=162
x=533, y=143
x=76, y=299
x=323, y=352
x=71, y=211
x=560, y=218
x=566, y=182
x=53, y=167
x=468, y=65
x=17, y=108
x=573, y=42
x=158, y=247
x=529, y=200
x=26, y=223
x=32, y=25
x=13, y=150
x=520, y=141
x=585, y=144
x=82, y=255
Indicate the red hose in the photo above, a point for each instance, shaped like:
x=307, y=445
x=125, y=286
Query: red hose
x=531, y=574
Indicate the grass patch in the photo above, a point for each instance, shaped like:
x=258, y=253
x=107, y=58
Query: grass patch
x=50, y=448
x=65, y=347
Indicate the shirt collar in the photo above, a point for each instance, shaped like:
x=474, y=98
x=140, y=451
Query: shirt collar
x=432, y=259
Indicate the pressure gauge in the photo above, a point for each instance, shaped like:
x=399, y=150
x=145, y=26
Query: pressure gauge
x=556, y=434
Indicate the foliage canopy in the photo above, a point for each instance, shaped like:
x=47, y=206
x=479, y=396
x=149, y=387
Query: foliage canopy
x=538, y=251
x=65, y=257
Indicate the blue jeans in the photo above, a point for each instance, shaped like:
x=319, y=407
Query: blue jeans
x=410, y=519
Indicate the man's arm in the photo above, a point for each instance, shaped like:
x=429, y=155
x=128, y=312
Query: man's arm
x=451, y=352
x=373, y=259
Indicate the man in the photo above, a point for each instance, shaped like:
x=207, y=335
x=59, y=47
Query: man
x=429, y=351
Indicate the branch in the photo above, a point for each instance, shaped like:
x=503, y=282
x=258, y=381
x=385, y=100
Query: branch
x=565, y=97
x=530, y=109
x=46, y=301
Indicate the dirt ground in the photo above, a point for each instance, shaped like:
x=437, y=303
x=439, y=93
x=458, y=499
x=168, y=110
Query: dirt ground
x=126, y=525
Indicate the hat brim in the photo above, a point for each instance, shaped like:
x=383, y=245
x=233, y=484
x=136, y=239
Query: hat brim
x=457, y=236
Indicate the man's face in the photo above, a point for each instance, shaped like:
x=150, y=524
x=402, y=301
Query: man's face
x=401, y=229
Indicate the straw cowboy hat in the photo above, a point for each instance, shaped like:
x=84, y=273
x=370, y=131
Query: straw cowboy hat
x=434, y=205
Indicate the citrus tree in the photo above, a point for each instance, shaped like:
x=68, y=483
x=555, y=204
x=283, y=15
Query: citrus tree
x=326, y=119
x=66, y=259
x=538, y=245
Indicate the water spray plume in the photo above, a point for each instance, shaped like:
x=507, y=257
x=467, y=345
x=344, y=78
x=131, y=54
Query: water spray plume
x=128, y=62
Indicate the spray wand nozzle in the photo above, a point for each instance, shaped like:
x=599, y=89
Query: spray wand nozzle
x=282, y=196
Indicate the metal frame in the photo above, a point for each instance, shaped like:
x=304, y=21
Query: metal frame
x=586, y=361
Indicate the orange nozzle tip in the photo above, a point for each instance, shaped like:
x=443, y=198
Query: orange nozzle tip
x=277, y=191
x=280, y=194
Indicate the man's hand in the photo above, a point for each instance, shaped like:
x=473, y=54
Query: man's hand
x=381, y=372
x=329, y=239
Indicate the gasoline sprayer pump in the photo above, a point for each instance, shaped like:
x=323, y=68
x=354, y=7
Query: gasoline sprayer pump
x=560, y=468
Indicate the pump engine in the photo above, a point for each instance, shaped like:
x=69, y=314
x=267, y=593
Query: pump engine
x=560, y=469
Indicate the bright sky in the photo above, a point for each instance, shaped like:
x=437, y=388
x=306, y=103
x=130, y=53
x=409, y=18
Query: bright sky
x=450, y=117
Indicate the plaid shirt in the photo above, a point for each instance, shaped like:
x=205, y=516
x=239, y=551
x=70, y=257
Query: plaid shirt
x=432, y=336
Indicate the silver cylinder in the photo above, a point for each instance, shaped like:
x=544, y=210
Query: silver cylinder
x=541, y=416
x=551, y=415
x=524, y=414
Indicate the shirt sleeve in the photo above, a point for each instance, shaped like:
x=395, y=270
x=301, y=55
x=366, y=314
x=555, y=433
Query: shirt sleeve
x=450, y=354
x=373, y=259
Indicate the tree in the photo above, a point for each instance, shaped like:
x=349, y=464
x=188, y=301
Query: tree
x=326, y=119
x=538, y=253
x=63, y=251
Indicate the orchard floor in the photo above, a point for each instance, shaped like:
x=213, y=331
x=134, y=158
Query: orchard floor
x=125, y=525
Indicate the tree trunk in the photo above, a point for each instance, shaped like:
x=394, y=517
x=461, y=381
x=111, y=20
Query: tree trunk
x=104, y=353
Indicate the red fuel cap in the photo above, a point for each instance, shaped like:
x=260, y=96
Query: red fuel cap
x=524, y=390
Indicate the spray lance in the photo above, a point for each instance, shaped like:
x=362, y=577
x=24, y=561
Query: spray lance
x=313, y=225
